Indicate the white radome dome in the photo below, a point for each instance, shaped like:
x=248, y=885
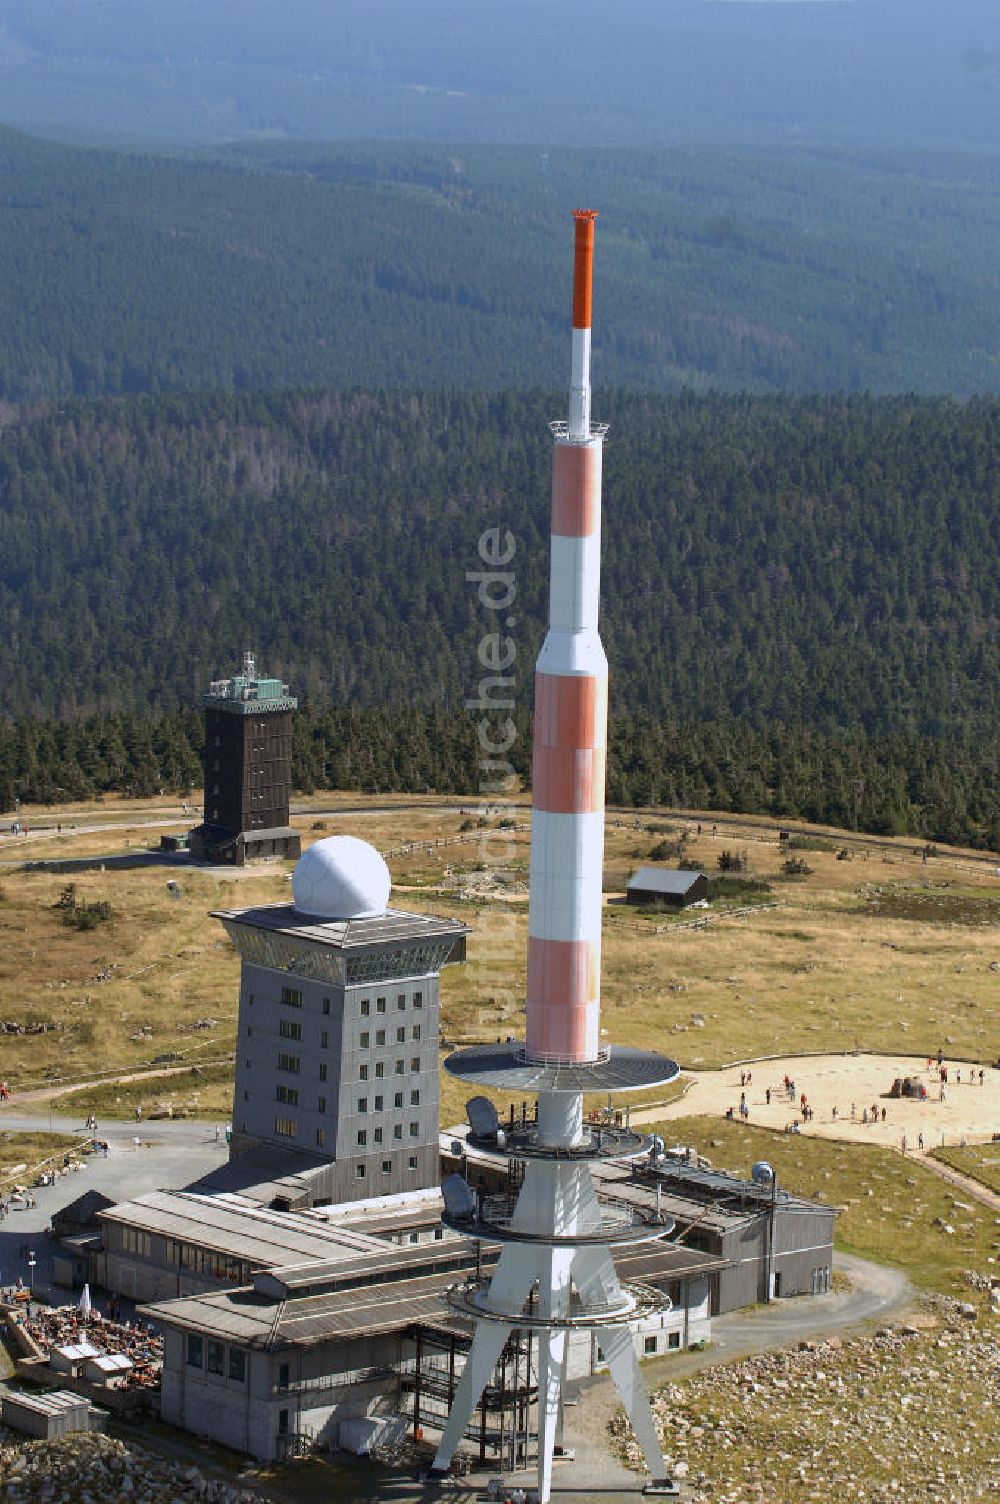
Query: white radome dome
x=341, y=878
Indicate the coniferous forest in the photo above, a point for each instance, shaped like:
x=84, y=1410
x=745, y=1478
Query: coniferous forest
x=800, y=604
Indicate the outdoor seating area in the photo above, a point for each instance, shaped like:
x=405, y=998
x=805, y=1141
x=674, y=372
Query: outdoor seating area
x=122, y=1355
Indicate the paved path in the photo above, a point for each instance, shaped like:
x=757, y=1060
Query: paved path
x=170, y=1155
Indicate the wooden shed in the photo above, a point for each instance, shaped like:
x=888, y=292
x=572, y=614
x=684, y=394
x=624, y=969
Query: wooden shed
x=666, y=888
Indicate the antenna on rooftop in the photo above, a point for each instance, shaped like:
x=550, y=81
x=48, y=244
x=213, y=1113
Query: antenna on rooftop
x=249, y=666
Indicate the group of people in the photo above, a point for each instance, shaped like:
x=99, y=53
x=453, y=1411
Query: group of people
x=874, y=1116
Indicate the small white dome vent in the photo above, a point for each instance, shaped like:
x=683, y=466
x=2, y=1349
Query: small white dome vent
x=341, y=878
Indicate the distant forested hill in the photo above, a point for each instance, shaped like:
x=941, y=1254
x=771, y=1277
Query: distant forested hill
x=827, y=563
x=581, y=71
x=432, y=267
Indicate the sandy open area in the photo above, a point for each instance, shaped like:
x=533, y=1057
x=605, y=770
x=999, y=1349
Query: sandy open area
x=969, y=1111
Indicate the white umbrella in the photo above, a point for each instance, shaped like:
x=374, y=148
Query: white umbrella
x=84, y=1307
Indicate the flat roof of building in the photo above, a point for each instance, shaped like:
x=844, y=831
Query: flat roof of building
x=391, y=928
x=690, y=1192
x=345, y=1309
x=230, y=1225
x=266, y=1173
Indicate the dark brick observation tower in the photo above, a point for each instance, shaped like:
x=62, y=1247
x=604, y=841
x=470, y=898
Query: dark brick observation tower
x=248, y=770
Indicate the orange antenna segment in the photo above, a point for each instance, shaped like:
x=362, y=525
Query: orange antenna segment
x=583, y=267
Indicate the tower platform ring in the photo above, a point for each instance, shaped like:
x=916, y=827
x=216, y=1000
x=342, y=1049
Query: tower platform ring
x=507, y=1067
x=599, y=1142
x=637, y=1300
x=621, y=1225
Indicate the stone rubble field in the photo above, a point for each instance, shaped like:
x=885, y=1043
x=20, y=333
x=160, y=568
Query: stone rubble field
x=94, y=1469
x=912, y=1412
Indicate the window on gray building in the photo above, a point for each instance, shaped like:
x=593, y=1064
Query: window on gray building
x=320, y=1104
x=366, y=1007
x=283, y=1384
x=324, y=1039
x=400, y=1036
x=215, y=1357
x=400, y=1067
x=401, y=1002
x=418, y=1000
x=397, y=1132
x=362, y=1104
x=414, y=1099
x=362, y=1137
x=194, y=1350
x=362, y=1073
x=289, y=1095
x=376, y=1135
x=415, y=1063
x=365, y=1040
x=291, y=997
x=380, y=1005
x=387, y=1167
x=411, y=1163
x=416, y=1031
x=288, y=1028
x=397, y=1100
x=379, y=1069
x=237, y=1365
x=322, y=1071
x=320, y=1137
x=380, y=1036
x=378, y=1104
x=284, y=1127
x=673, y=1339
x=326, y=1005
x=288, y=1063
x=359, y=1172
x=414, y=1130
x=649, y=1346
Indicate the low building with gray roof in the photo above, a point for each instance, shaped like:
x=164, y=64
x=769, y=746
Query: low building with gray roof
x=666, y=888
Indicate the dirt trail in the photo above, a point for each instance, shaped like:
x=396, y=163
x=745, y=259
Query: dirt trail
x=974, y=1188
x=61, y=1089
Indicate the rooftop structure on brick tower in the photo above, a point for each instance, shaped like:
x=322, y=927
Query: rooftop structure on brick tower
x=556, y=1273
x=336, y=1095
x=248, y=770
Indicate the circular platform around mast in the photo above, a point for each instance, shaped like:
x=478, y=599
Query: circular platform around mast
x=507, y=1067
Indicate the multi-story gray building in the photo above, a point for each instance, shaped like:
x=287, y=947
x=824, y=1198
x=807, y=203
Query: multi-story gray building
x=337, y=1050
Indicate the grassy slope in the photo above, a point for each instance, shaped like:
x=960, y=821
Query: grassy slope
x=824, y=971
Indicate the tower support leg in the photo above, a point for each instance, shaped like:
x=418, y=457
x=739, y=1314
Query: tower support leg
x=487, y=1345
x=619, y=1353
x=597, y=1280
x=551, y=1347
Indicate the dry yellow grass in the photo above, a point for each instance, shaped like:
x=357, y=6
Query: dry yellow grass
x=820, y=972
